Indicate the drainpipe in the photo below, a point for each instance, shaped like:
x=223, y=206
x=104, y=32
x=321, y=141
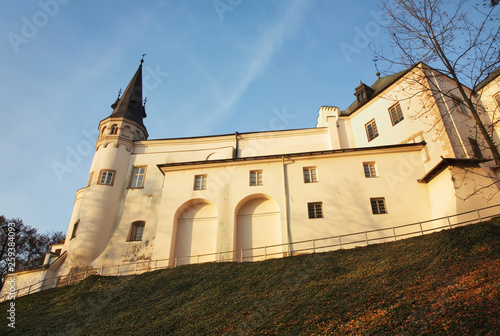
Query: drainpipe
x=236, y=146
x=287, y=207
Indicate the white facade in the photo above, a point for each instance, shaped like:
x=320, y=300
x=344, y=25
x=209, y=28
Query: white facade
x=218, y=197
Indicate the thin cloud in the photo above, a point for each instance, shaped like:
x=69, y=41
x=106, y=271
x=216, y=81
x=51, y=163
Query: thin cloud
x=268, y=44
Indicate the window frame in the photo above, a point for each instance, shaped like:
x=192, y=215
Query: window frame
x=312, y=210
x=257, y=180
x=203, y=183
x=378, y=209
x=131, y=186
x=496, y=98
x=372, y=173
x=399, y=114
x=312, y=178
x=134, y=228
x=374, y=130
x=107, y=171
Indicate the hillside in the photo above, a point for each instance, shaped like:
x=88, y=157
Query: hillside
x=443, y=283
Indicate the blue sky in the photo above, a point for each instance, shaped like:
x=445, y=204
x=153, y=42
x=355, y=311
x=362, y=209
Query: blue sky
x=212, y=67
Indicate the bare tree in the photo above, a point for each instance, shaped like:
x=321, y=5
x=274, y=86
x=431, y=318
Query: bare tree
x=460, y=39
x=29, y=246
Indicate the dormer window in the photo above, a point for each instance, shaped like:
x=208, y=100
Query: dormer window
x=363, y=92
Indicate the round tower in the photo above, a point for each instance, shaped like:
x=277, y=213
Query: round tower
x=97, y=207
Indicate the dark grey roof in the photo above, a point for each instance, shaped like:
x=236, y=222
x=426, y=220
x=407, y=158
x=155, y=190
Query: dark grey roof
x=447, y=162
x=487, y=80
x=380, y=85
x=130, y=104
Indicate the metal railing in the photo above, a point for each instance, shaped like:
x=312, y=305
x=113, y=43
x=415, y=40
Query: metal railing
x=326, y=244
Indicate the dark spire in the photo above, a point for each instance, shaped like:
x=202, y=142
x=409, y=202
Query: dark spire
x=129, y=105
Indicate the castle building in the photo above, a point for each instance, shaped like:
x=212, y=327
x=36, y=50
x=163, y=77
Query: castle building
x=404, y=151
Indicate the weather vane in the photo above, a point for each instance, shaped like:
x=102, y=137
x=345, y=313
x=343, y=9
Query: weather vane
x=142, y=59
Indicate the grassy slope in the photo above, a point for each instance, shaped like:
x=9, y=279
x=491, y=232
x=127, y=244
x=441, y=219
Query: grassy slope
x=443, y=283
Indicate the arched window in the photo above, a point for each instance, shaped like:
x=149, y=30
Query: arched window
x=102, y=132
x=114, y=129
x=136, y=231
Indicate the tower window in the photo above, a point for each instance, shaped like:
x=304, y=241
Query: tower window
x=200, y=182
x=310, y=175
x=114, y=129
x=378, y=205
x=369, y=169
x=107, y=177
x=315, y=210
x=137, y=231
x=256, y=177
x=75, y=229
x=459, y=106
x=497, y=99
x=89, y=179
x=138, y=175
x=396, y=114
x=371, y=130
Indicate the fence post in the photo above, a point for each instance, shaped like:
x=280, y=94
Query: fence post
x=265, y=252
x=394, y=233
x=85, y=275
x=220, y=256
x=479, y=215
x=340, y=243
x=69, y=279
x=421, y=230
x=156, y=264
x=314, y=245
x=175, y=261
x=117, y=268
x=449, y=222
x=366, y=238
x=29, y=289
x=241, y=256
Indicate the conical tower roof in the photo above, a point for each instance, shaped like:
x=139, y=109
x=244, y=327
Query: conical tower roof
x=130, y=105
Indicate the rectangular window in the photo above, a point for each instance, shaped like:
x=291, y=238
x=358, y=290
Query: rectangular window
x=137, y=231
x=315, y=210
x=475, y=148
x=310, y=175
x=396, y=114
x=89, y=179
x=378, y=205
x=75, y=229
x=459, y=106
x=371, y=130
x=200, y=182
x=107, y=177
x=256, y=177
x=369, y=168
x=138, y=175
